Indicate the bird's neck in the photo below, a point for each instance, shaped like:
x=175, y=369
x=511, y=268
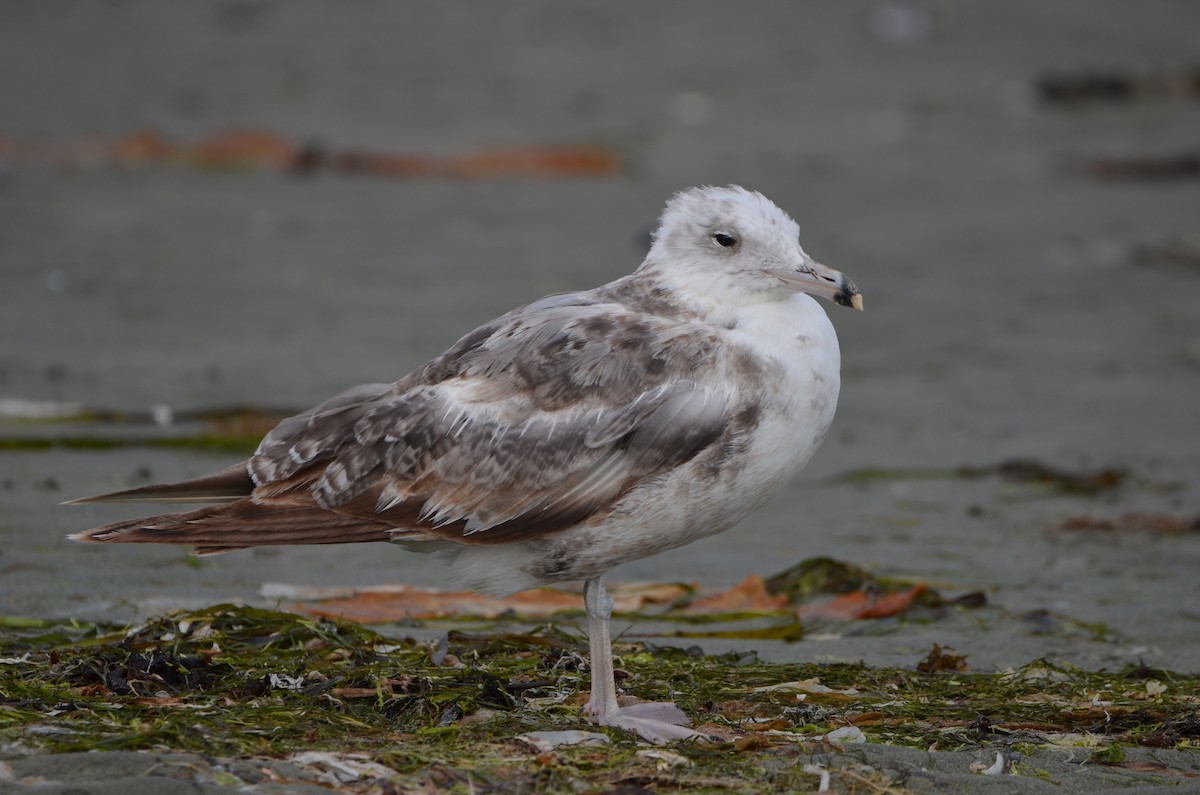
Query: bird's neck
x=714, y=297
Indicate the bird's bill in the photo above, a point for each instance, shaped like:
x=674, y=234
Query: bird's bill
x=822, y=281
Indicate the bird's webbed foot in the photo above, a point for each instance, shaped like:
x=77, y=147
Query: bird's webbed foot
x=658, y=722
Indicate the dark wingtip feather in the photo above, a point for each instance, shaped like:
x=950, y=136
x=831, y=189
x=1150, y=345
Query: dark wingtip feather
x=225, y=485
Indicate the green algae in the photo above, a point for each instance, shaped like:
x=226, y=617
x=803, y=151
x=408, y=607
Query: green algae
x=220, y=429
x=239, y=682
x=1018, y=470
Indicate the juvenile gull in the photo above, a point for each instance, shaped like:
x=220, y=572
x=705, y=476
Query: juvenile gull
x=566, y=437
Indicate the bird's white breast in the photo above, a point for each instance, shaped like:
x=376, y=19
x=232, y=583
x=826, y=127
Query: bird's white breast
x=797, y=339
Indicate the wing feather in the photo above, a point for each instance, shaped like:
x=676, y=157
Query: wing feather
x=536, y=422
x=542, y=421
x=531, y=424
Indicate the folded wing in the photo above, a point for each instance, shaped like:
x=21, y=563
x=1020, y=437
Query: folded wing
x=531, y=424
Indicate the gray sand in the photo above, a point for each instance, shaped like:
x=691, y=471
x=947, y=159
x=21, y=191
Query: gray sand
x=1008, y=311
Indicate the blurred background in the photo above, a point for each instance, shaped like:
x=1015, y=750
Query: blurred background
x=256, y=203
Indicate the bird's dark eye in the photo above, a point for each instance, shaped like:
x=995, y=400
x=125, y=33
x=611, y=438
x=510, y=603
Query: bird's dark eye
x=725, y=239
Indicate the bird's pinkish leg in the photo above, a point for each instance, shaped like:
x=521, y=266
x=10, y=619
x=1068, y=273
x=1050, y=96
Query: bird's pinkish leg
x=657, y=722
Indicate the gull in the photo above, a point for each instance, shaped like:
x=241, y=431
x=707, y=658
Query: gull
x=573, y=434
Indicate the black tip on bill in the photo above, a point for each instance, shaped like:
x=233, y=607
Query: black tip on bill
x=849, y=296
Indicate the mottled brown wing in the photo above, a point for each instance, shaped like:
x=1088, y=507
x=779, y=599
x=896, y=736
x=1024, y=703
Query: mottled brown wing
x=313, y=435
x=531, y=424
